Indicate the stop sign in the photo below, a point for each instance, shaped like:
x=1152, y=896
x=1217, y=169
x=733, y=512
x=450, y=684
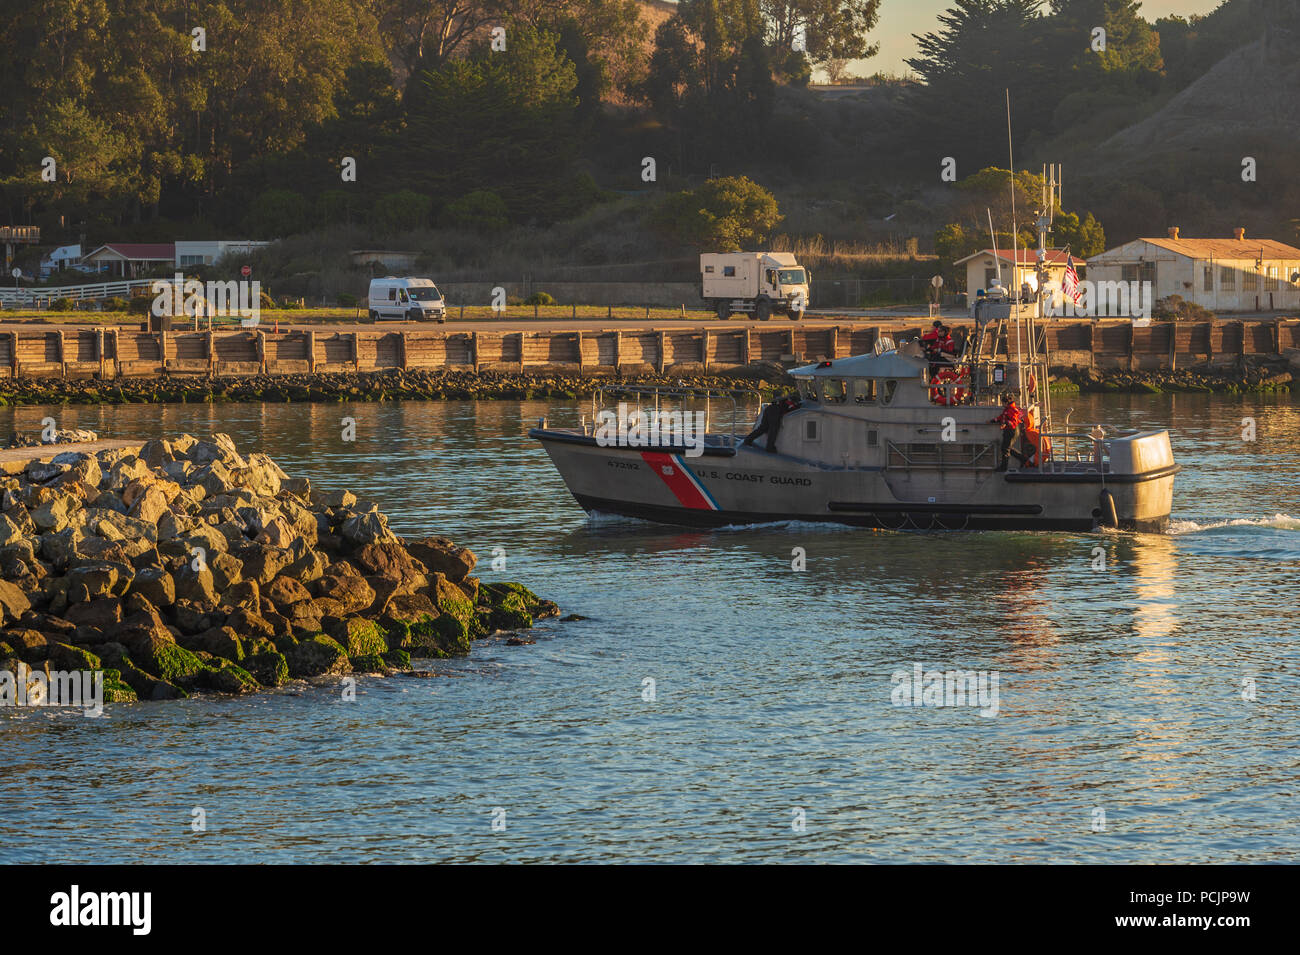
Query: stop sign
x=246, y=271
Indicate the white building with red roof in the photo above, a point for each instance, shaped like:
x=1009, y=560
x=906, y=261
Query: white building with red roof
x=982, y=268
x=130, y=259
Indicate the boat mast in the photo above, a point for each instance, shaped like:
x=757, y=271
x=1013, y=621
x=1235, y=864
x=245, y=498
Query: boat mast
x=1015, y=256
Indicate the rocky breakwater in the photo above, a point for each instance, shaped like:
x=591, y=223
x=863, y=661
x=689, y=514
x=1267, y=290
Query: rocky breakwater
x=389, y=385
x=186, y=566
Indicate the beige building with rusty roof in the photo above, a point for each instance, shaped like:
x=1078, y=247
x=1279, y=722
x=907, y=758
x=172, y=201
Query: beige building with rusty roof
x=1224, y=275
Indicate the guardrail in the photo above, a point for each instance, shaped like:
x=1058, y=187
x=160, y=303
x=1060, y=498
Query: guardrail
x=41, y=297
x=20, y=233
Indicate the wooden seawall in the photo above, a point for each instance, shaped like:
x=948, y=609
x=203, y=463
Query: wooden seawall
x=116, y=352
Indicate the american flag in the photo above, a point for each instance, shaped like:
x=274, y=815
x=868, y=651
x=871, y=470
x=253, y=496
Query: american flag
x=1070, y=284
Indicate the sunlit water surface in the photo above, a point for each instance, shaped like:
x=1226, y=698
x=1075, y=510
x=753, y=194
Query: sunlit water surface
x=1121, y=690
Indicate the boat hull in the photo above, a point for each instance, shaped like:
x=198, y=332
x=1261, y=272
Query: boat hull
x=747, y=485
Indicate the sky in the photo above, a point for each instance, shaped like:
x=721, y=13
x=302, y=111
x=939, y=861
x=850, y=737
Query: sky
x=899, y=19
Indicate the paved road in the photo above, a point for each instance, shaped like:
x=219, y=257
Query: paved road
x=22, y=456
x=842, y=317
x=536, y=325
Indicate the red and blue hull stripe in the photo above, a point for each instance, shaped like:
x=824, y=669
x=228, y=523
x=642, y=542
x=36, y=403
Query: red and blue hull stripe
x=685, y=486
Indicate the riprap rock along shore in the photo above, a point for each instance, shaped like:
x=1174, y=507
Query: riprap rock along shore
x=390, y=385
x=186, y=566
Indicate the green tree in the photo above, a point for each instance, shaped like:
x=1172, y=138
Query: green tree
x=1084, y=237
x=401, y=211
x=982, y=49
x=501, y=122
x=722, y=215
x=279, y=212
x=479, y=211
x=424, y=34
x=1132, y=47
x=155, y=121
x=710, y=77
x=831, y=29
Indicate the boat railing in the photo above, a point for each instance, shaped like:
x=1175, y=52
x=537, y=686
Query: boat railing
x=1080, y=448
x=680, y=393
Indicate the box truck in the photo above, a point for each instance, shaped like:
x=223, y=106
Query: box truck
x=406, y=298
x=757, y=283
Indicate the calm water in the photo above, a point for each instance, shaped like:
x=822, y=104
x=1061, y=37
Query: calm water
x=1120, y=689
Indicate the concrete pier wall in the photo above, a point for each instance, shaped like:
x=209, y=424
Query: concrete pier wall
x=116, y=352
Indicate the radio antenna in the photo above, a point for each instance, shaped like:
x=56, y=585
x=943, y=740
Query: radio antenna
x=1015, y=254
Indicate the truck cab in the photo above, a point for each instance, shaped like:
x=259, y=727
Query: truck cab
x=755, y=283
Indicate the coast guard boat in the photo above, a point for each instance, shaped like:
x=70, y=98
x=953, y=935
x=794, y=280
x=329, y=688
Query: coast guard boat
x=898, y=439
x=882, y=440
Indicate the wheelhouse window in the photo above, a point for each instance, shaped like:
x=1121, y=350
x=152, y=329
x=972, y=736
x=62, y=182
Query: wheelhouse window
x=834, y=390
x=864, y=391
x=887, y=394
x=807, y=388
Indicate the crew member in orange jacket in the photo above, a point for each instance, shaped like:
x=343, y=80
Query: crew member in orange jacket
x=1012, y=420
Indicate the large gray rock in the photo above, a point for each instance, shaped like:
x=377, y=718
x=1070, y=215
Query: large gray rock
x=59, y=547
x=367, y=528
x=196, y=586
x=124, y=527
x=13, y=602
x=98, y=580
x=263, y=562
x=53, y=515
x=10, y=530
x=83, y=468
x=125, y=471
x=38, y=472
x=214, y=477
x=155, y=585
x=441, y=556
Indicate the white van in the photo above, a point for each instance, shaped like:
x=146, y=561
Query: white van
x=416, y=300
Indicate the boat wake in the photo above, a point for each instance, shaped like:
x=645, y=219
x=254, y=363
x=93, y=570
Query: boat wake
x=1278, y=522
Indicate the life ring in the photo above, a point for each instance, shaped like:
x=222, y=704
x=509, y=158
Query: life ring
x=949, y=386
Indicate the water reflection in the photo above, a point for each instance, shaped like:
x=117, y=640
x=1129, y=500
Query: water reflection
x=1120, y=687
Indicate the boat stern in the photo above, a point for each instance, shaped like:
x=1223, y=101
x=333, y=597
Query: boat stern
x=1141, y=481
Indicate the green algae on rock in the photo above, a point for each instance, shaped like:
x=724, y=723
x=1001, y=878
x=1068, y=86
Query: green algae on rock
x=187, y=567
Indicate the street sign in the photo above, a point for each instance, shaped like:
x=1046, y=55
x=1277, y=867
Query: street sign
x=17, y=273
x=246, y=271
x=937, y=281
